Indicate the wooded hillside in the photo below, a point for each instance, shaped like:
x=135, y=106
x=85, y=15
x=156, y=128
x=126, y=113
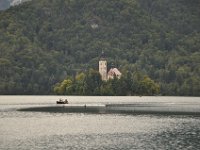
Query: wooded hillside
x=43, y=41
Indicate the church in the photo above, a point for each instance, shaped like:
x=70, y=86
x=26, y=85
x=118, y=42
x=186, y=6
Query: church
x=103, y=70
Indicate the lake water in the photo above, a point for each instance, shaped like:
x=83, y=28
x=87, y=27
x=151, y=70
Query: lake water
x=49, y=130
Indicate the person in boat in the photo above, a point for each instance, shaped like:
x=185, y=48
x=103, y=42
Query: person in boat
x=66, y=101
x=61, y=100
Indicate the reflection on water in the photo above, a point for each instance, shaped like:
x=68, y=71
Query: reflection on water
x=43, y=130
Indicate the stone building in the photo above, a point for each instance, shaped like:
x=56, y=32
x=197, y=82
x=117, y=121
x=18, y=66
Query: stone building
x=114, y=72
x=103, y=69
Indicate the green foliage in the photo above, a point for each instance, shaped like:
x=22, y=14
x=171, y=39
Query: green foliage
x=64, y=88
x=42, y=42
x=90, y=83
x=148, y=87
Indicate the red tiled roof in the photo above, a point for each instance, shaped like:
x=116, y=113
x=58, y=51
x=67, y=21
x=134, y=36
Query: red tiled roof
x=114, y=71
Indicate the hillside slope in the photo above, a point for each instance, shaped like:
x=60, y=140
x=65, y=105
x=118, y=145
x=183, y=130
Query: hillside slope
x=41, y=42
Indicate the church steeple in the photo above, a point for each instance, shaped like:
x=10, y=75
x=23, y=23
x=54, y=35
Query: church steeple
x=103, y=67
x=103, y=56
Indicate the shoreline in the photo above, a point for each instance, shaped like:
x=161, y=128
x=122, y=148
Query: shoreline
x=136, y=108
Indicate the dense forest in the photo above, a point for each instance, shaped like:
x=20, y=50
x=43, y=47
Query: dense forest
x=44, y=42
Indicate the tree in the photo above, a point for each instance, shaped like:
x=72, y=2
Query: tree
x=93, y=83
x=64, y=87
x=148, y=87
x=80, y=84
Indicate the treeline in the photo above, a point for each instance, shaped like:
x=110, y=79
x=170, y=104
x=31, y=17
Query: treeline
x=43, y=41
x=90, y=83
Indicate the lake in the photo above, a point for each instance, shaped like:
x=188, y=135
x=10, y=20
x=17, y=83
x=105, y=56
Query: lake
x=58, y=130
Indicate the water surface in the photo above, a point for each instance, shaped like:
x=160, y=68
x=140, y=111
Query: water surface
x=48, y=130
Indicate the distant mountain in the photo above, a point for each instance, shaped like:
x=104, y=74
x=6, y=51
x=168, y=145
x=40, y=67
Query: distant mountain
x=43, y=41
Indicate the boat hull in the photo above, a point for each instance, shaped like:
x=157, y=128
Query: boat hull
x=61, y=102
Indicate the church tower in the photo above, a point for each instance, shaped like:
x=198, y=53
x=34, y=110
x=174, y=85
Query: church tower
x=103, y=67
